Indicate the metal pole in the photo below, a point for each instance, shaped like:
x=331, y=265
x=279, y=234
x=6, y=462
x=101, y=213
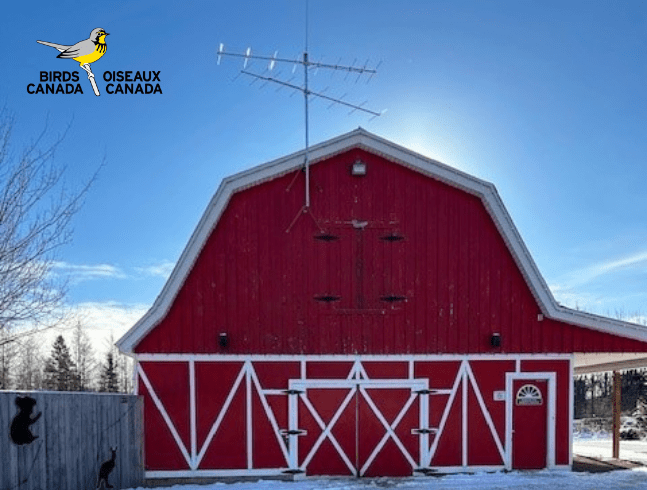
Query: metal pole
x=305, y=94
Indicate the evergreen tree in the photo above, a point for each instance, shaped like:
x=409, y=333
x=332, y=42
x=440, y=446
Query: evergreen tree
x=109, y=381
x=60, y=370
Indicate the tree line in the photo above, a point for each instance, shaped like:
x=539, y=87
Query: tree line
x=593, y=393
x=23, y=365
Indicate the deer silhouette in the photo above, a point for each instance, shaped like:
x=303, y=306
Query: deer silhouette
x=106, y=468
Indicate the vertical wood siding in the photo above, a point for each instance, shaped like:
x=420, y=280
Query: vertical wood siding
x=393, y=262
x=75, y=433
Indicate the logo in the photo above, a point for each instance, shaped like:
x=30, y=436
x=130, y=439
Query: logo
x=87, y=52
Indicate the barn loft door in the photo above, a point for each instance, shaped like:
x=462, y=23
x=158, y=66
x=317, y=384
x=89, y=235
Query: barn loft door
x=358, y=427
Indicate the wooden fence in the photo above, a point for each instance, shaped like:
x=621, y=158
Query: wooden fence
x=75, y=434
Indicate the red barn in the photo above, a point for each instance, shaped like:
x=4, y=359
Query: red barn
x=395, y=326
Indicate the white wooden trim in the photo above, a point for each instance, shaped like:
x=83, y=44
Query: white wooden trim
x=464, y=422
x=293, y=426
x=424, y=425
x=551, y=414
x=248, y=416
x=136, y=378
x=386, y=383
x=165, y=416
x=571, y=409
x=272, y=392
x=193, y=415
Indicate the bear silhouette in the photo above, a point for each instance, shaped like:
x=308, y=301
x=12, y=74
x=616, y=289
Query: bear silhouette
x=20, y=433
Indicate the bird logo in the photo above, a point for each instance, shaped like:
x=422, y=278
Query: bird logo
x=85, y=52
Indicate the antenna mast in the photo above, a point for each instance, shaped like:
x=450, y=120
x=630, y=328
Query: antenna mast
x=305, y=96
x=305, y=89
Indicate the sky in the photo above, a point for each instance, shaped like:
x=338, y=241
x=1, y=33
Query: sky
x=544, y=99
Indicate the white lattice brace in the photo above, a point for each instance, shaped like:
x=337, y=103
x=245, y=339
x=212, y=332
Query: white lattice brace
x=357, y=371
x=268, y=412
x=165, y=416
x=221, y=415
x=389, y=430
x=327, y=430
x=485, y=411
x=448, y=407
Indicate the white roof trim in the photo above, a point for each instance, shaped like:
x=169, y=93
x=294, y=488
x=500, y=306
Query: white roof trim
x=599, y=363
x=372, y=143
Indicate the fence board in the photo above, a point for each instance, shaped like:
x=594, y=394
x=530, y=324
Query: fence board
x=75, y=434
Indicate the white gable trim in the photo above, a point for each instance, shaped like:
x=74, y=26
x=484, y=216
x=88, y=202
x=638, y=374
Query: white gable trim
x=374, y=144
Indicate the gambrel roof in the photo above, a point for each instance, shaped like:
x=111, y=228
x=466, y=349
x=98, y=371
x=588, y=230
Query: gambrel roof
x=362, y=139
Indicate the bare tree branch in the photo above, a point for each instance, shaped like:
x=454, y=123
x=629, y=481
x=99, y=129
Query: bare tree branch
x=36, y=210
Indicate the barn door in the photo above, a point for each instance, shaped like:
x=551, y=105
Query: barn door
x=532, y=428
x=358, y=427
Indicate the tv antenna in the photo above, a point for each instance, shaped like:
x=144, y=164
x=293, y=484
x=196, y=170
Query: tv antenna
x=357, y=71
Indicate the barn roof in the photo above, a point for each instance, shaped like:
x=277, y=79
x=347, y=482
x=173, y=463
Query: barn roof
x=361, y=138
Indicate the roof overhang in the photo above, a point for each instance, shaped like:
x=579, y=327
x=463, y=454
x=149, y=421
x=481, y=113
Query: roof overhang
x=602, y=362
x=361, y=138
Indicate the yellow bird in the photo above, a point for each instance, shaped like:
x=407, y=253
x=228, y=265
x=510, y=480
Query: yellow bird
x=86, y=51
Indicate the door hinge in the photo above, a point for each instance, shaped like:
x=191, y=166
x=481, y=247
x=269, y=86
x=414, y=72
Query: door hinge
x=292, y=392
x=424, y=431
x=293, y=432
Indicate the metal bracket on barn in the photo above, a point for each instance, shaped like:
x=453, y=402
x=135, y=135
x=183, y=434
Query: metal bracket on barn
x=294, y=432
x=423, y=431
x=293, y=392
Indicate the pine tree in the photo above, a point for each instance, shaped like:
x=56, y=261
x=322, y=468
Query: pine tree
x=60, y=370
x=109, y=381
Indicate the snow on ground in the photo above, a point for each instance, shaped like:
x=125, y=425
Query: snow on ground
x=593, y=445
x=600, y=446
x=528, y=480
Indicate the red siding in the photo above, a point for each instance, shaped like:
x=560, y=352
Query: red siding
x=257, y=276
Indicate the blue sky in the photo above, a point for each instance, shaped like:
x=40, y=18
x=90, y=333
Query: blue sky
x=544, y=99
